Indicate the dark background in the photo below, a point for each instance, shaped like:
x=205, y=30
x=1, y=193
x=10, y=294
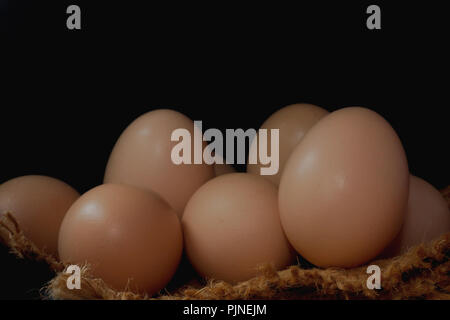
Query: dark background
x=69, y=94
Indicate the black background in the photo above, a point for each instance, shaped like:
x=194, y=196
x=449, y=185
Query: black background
x=69, y=94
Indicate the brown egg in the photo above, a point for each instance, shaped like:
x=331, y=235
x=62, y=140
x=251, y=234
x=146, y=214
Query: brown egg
x=293, y=122
x=231, y=225
x=142, y=158
x=39, y=204
x=129, y=236
x=427, y=218
x=344, y=191
x=221, y=169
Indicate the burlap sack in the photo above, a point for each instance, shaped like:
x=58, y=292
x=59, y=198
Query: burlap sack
x=421, y=273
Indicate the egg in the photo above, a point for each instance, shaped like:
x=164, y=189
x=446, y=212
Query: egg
x=221, y=169
x=130, y=237
x=344, y=191
x=142, y=158
x=231, y=225
x=39, y=204
x=427, y=218
x=293, y=121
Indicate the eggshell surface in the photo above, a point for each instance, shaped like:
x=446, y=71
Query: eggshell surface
x=344, y=191
x=142, y=158
x=231, y=225
x=221, y=169
x=129, y=236
x=39, y=204
x=427, y=217
x=293, y=122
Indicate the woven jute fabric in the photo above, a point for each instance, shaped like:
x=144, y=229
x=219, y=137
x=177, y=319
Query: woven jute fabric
x=421, y=273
